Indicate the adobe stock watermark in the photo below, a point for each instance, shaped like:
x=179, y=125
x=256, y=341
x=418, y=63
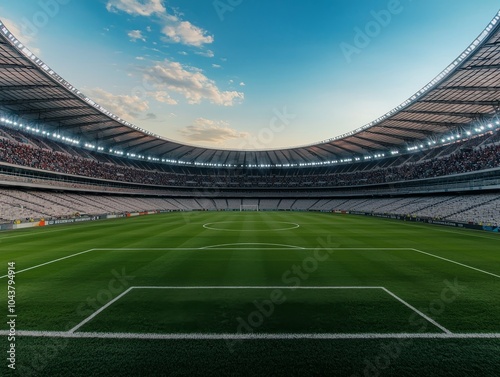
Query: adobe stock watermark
x=391, y=351
x=48, y=9
x=292, y=279
x=363, y=36
x=223, y=6
x=40, y=359
x=279, y=122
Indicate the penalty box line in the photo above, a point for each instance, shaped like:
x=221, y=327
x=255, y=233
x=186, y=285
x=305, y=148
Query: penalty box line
x=264, y=336
x=304, y=249
x=204, y=248
x=104, y=307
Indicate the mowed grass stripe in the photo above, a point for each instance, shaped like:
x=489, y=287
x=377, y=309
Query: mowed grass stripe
x=415, y=279
x=58, y=296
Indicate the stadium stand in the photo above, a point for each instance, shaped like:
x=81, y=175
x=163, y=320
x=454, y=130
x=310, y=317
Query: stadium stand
x=437, y=156
x=26, y=205
x=462, y=160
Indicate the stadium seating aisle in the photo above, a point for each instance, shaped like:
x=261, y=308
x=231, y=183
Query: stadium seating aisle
x=480, y=211
x=268, y=204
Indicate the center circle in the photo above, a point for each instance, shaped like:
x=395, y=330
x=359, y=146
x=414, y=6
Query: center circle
x=229, y=226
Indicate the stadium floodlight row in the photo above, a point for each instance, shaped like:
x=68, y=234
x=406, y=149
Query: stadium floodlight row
x=463, y=98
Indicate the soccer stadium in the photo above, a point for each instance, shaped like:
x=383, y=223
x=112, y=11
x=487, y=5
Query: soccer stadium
x=373, y=253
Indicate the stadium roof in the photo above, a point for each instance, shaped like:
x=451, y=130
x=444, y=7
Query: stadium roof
x=466, y=92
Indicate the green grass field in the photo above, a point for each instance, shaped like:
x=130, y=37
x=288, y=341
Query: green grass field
x=252, y=293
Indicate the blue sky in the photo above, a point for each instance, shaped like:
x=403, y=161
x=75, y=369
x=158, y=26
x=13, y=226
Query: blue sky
x=248, y=74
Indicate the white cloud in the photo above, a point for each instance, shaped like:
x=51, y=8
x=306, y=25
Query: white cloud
x=173, y=27
x=163, y=97
x=136, y=35
x=216, y=66
x=126, y=107
x=242, y=84
x=190, y=83
x=184, y=32
x=207, y=54
x=140, y=58
x=136, y=7
x=27, y=39
x=216, y=132
x=183, y=53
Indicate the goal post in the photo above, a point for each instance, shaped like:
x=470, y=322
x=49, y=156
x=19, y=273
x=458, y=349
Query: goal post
x=249, y=207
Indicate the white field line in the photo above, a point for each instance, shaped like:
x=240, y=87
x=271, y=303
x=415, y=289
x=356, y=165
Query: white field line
x=149, y=248
x=103, y=249
x=251, y=243
x=460, y=264
x=427, y=318
x=208, y=226
x=255, y=248
x=464, y=233
x=200, y=287
x=251, y=287
x=52, y=261
x=93, y=315
x=35, y=233
x=204, y=248
x=263, y=336
x=99, y=310
x=304, y=248
x=188, y=249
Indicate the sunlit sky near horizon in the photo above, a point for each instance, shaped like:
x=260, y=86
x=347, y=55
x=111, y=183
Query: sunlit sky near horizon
x=248, y=74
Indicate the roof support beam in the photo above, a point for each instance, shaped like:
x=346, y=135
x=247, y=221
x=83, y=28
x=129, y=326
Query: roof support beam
x=462, y=102
x=418, y=132
x=341, y=148
x=426, y=122
x=68, y=117
x=50, y=110
x=109, y=137
x=140, y=144
x=154, y=146
x=33, y=100
x=125, y=144
x=486, y=66
x=364, y=147
x=11, y=66
x=188, y=152
x=9, y=88
x=281, y=157
x=473, y=88
x=334, y=155
x=76, y=125
x=306, y=154
x=386, y=145
x=387, y=135
x=444, y=113
x=170, y=151
x=206, y=156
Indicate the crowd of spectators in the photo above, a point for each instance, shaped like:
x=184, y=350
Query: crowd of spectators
x=464, y=161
